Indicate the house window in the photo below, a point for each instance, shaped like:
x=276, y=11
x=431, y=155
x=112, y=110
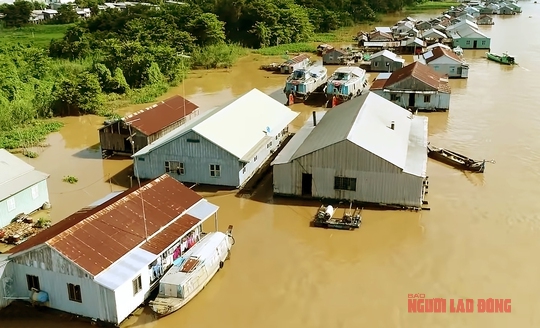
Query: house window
x=483, y=43
x=269, y=145
x=74, y=293
x=11, y=204
x=137, y=285
x=343, y=183
x=376, y=64
x=452, y=69
x=32, y=282
x=141, y=159
x=394, y=97
x=215, y=170
x=244, y=170
x=427, y=98
x=436, y=67
x=468, y=42
x=175, y=166
x=193, y=140
x=255, y=159
x=35, y=192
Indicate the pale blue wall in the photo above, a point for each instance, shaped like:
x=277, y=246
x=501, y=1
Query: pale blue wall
x=437, y=101
x=196, y=157
x=24, y=203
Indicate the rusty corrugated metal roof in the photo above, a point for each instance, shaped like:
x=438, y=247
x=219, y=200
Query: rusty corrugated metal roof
x=161, y=115
x=167, y=236
x=420, y=72
x=297, y=59
x=378, y=84
x=95, y=238
x=438, y=52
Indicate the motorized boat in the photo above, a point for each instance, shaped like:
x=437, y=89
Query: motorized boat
x=191, y=272
x=502, y=59
x=346, y=83
x=302, y=83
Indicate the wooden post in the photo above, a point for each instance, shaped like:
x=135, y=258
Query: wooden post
x=216, y=221
x=110, y=184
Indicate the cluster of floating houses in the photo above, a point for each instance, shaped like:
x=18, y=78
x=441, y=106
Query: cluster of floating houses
x=105, y=260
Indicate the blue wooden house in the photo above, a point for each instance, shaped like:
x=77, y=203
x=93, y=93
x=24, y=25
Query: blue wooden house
x=23, y=189
x=225, y=146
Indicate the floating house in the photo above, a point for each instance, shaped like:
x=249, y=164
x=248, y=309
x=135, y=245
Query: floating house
x=433, y=34
x=484, y=20
x=336, y=156
x=298, y=62
x=225, y=146
x=506, y=10
x=472, y=11
x=423, y=25
x=23, y=189
x=103, y=261
x=415, y=87
x=412, y=45
x=378, y=36
x=514, y=7
x=334, y=56
x=466, y=35
x=386, y=61
x=403, y=27
x=445, y=62
x=133, y=132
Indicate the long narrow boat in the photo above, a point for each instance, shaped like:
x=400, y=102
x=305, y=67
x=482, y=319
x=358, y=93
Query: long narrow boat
x=192, y=272
x=456, y=160
x=502, y=59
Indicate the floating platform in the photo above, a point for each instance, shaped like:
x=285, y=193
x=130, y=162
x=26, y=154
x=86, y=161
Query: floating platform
x=351, y=220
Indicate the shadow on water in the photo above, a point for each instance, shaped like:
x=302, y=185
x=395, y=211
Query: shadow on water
x=92, y=152
x=437, y=123
x=122, y=178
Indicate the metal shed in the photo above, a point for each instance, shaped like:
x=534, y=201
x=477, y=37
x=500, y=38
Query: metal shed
x=367, y=150
x=145, y=126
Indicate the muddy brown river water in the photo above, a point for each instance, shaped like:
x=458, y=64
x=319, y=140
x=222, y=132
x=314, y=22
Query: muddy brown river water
x=477, y=241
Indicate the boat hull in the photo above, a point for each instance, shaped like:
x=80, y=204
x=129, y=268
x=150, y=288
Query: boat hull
x=456, y=160
x=499, y=59
x=163, y=306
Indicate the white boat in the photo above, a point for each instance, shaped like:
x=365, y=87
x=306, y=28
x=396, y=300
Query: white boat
x=191, y=272
x=346, y=83
x=303, y=82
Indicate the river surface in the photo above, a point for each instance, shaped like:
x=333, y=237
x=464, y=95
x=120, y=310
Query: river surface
x=477, y=241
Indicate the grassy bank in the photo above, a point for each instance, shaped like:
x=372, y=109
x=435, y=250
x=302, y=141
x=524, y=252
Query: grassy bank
x=40, y=35
x=432, y=5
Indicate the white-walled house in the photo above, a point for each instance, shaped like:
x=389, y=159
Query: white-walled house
x=103, y=261
x=445, y=61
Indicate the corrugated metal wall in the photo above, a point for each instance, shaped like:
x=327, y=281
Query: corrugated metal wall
x=97, y=302
x=173, y=126
x=6, y=283
x=378, y=182
x=437, y=101
x=196, y=156
x=24, y=203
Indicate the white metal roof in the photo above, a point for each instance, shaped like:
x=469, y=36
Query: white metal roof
x=416, y=162
x=16, y=175
x=383, y=29
x=434, y=31
x=385, y=53
x=238, y=126
x=383, y=76
x=286, y=154
x=438, y=45
x=125, y=269
x=366, y=121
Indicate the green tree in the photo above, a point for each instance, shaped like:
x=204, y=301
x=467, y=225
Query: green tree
x=66, y=15
x=207, y=29
x=17, y=14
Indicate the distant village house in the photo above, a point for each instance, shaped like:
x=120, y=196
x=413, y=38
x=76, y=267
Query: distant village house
x=386, y=61
x=445, y=62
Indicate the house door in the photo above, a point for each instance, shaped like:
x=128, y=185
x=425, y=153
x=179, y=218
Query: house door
x=307, y=181
x=475, y=44
x=127, y=145
x=411, y=99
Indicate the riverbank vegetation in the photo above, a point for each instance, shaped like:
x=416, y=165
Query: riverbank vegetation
x=134, y=55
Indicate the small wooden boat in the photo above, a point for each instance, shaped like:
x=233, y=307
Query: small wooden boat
x=325, y=219
x=271, y=67
x=456, y=160
x=502, y=59
x=191, y=272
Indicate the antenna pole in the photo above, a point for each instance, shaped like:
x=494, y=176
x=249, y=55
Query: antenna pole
x=138, y=181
